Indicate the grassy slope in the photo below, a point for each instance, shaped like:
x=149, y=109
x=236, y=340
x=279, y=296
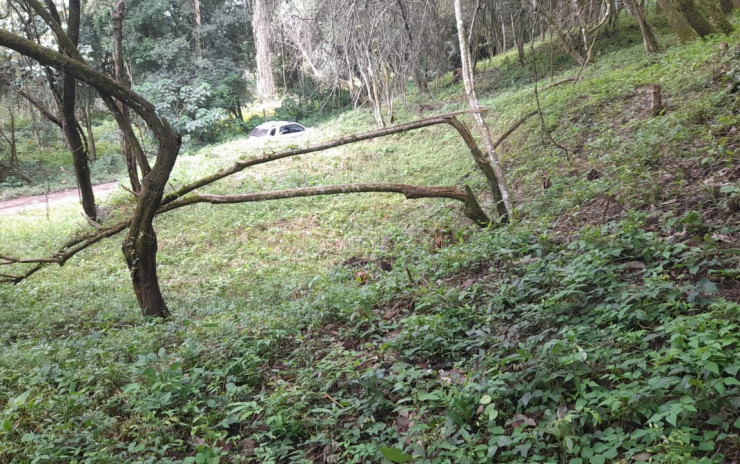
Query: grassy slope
x=594, y=330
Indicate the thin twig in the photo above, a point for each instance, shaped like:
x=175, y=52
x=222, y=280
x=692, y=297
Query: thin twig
x=539, y=106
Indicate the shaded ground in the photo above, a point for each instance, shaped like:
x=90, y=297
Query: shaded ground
x=16, y=205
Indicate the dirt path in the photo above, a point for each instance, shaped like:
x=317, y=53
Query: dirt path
x=53, y=199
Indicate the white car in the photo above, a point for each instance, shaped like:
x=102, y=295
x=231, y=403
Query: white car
x=277, y=129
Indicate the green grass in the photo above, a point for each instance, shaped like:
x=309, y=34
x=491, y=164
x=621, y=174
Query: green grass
x=602, y=326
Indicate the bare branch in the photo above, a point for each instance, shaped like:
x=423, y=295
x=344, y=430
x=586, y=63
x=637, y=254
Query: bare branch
x=176, y=199
x=557, y=83
x=6, y=260
x=47, y=114
x=241, y=165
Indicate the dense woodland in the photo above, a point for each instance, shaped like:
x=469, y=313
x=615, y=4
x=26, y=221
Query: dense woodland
x=509, y=234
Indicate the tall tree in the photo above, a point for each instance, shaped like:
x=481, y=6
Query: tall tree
x=649, y=41
x=261, y=13
x=68, y=100
x=127, y=142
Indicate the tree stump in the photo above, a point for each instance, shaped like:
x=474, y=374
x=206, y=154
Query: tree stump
x=656, y=101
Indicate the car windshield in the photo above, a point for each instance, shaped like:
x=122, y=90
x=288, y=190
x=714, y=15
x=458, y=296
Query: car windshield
x=258, y=132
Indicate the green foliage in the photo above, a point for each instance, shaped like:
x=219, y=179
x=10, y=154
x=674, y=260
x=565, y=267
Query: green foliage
x=11, y=181
x=338, y=330
x=318, y=105
x=185, y=107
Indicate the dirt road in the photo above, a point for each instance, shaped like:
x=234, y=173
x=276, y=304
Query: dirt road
x=53, y=199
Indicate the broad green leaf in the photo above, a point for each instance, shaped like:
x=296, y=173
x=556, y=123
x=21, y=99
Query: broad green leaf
x=394, y=454
x=429, y=397
x=598, y=459
x=712, y=367
x=19, y=400
x=706, y=446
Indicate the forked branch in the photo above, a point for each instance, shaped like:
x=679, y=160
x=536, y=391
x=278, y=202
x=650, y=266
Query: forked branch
x=179, y=199
x=448, y=118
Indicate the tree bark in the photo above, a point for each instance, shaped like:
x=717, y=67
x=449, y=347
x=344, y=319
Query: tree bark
x=649, y=41
x=499, y=191
x=261, y=33
x=13, y=162
x=70, y=125
x=140, y=243
x=239, y=166
x=13, y=144
x=686, y=19
x=656, y=100
x=472, y=209
x=198, y=36
x=144, y=271
x=715, y=15
x=726, y=6
x=46, y=113
x=88, y=126
x=117, y=15
x=417, y=73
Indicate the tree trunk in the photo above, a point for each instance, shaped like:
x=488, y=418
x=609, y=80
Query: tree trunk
x=686, y=19
x=90, y=136
x=499, y=191
x=117, y=15
x=13, y=143
x=13, y=161
x=72, y=128
x=198, y=35
x=140, y=245
x=46, y=113
x=656, y=100
x=179, y=199
x=472, y=208
x=726, y=6
x=715, y=15
x=417, y=73
x=518, y=40
x=35, y=125
x=649, y=41
x=261, y=32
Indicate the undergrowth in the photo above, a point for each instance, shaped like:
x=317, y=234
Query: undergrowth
x=602, y=326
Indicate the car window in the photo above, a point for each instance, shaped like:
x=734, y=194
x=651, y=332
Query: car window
x=258, y=132
x=272, y=132
x=296, y=128
x=285, y=130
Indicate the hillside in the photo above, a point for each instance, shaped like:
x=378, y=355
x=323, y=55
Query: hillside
x=601, y=326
